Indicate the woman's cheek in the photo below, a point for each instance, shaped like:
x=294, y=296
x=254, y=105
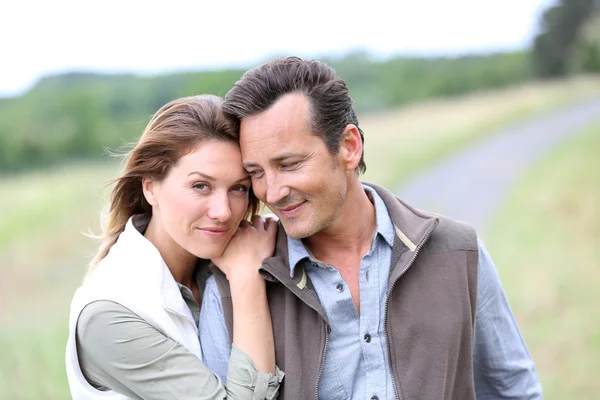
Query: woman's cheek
x=238, y=207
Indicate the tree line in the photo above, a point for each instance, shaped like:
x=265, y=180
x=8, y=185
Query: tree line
x=80, y=115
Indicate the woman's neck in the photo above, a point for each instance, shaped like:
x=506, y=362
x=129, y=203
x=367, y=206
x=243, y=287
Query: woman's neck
x=181, y=263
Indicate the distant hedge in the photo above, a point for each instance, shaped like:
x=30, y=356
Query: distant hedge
x=78, y=115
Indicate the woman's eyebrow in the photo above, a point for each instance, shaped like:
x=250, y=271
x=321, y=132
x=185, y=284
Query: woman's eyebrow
x=210, y=178
x=202, y=174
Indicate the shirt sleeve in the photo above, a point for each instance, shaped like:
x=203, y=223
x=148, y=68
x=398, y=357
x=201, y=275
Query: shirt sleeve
x=502, y=365
x=229, y=362
x=119, y=350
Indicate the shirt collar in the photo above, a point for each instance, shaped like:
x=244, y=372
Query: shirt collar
x=385, y=229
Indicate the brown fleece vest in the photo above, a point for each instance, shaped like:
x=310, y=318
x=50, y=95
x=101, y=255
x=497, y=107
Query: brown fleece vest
x=429, y=318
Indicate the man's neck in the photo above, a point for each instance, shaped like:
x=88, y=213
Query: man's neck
x=351, y=233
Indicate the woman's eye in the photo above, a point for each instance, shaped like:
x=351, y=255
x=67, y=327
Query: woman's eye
x=200, y=186
x=240, y=188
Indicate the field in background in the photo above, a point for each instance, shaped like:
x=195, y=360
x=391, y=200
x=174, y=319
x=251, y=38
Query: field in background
x=43, y=252
x=546, y=245
x=42, y=259
x=400, y=142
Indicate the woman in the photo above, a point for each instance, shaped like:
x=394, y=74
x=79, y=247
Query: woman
x=180, y=202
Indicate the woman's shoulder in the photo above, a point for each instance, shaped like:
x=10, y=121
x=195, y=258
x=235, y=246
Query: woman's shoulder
x=103, y=316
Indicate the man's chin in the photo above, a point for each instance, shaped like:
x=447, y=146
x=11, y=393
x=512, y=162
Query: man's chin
x=296, y=230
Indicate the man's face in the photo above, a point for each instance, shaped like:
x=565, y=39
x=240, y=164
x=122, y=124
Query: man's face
x=292, y=171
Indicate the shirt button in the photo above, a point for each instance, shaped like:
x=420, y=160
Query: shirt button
x=339, y=288
x=374, y=398
x=368, y=338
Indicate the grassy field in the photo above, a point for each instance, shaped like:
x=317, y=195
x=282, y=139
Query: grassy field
x=400, y=142
x=43, y=252
x=42, y=258
x=546, y=244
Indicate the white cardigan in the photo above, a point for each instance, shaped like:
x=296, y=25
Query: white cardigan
x=134, y=275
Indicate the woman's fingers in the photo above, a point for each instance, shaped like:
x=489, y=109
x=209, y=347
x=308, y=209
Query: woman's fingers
x=257, y=222
x=271, y=226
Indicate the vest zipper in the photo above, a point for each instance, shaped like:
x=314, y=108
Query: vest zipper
x=322, y=361
x=387, y=300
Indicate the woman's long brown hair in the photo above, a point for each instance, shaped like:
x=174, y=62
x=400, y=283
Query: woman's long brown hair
x=174, y=131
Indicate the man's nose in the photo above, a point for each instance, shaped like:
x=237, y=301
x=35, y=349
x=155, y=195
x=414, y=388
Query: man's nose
x=276, y=189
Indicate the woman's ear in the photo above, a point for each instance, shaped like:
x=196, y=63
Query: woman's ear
x=150, y=189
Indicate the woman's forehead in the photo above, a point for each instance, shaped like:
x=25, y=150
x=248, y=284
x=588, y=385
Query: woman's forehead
x=219, y=160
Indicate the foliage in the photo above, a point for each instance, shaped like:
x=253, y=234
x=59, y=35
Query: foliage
x=587, y=51
x=555, y=46
x=78, y=115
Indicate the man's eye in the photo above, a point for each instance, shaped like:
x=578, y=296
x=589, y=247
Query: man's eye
x=289, y=165
x=255, y=174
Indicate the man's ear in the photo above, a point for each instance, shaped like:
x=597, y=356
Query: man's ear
x=150, y=189
x=351, y=147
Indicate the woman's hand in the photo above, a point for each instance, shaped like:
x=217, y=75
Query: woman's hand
x=251, y=244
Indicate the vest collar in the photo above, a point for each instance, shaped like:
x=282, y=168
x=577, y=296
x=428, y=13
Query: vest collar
x=146, y=268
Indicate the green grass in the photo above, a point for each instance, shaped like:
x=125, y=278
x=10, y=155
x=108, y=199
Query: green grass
x=35, y=371
x=43, y=253
x=41, y=199
x=402, y=141
x=546, y=244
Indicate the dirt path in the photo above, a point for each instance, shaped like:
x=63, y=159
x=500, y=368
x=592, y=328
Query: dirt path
x=469, y=185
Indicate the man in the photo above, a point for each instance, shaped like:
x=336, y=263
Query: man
x=370, y=298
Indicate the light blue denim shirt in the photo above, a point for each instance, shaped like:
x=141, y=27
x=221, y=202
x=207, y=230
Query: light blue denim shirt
x=356, y=364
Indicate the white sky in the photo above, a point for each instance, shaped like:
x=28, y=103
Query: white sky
x=42, y=37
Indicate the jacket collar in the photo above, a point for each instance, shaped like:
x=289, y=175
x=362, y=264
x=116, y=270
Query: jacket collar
x=412, y=228
x=384, y=231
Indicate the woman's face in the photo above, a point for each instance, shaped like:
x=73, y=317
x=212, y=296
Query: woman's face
x=198, y=206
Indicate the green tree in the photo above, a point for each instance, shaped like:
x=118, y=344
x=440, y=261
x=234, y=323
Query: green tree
x=587, y=53
x=554, y=47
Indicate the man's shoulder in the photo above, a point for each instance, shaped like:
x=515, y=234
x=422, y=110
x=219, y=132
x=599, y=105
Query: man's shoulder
x=451, y=235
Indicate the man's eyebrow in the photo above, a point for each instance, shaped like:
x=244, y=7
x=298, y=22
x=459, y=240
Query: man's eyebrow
x=277, y=159
x=249, y=164
x=285, y=156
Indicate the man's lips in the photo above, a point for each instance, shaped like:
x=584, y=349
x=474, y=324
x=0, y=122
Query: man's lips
x=291, y=210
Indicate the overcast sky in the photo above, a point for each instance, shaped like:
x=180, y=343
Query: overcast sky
x=43, y=37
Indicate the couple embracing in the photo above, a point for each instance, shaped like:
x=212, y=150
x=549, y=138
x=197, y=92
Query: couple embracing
x=349, y=293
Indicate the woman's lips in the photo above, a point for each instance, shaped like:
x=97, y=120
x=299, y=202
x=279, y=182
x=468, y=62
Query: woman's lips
x=215, y=232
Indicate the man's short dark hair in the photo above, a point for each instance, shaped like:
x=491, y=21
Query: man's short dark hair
x=330, y=104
